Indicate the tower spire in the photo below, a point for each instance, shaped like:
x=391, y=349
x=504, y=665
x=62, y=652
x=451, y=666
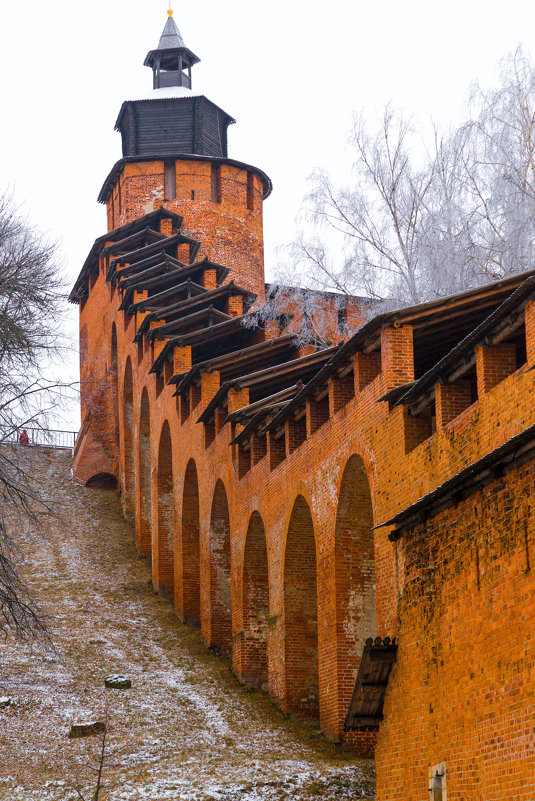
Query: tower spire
x=172, y=61
x=171, y=36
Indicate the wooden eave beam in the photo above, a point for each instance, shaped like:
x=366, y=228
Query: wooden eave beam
x=140, y=254
x=371, y=346
x=209, y=334
x=238, y=358
x=118, y=245
x=269, y=401
x=493, y=294
x=463, y=485
x=342, y=372
x=509, y=325
x=157, y=262
x=170, y=329
x=321, y=394
x=172, y=325
x=222, y=293
x=188, y=287
x=159, y=279
x=287, y=368
x=164, y=272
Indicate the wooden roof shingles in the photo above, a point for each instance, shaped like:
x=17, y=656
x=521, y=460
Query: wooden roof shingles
x=234, y=362
x=164, y=276
x=426, y=319
x=219, y=331
x=170, y=243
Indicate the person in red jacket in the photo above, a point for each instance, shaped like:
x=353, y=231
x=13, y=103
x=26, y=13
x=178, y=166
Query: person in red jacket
x=24, y=438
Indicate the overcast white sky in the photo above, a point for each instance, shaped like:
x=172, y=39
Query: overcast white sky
x=289, y=72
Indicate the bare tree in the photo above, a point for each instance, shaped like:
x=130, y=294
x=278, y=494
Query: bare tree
x=98, y=768
x=500, y=169
x=418, y=223
x=30, y=299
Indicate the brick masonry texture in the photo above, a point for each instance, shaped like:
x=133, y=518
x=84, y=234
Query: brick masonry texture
x=274, y=555
x=463, y=687
x=228, y=227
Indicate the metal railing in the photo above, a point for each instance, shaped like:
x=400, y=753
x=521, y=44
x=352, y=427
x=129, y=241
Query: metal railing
x=48, y=438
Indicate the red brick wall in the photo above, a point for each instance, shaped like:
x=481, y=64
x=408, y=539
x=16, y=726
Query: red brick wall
x=217, y=623
x=250, y=643
x=142, y=462
x=314, y=470
x=188, y=588
x=300, y=621
x=462, y=690
x=355, y=615
x=163, y=564
x=127, y=444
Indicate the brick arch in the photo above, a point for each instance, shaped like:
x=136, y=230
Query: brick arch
x=219, y=633
x=128, y=450
x=188, y=589
x=255, y=584
x=113, y=349
x=301, y=696
x=102, y=481
x=143, y=518
x=357, y=447
x=113, y=377
x=163, y=559
x=354, y=584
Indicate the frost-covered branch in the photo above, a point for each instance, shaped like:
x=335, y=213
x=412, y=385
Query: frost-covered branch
x=412, y=223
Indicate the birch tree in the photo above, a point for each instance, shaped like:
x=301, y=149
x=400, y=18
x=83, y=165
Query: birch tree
x=416, y=223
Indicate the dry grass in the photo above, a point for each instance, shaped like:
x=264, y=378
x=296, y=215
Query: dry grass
x=186, y=730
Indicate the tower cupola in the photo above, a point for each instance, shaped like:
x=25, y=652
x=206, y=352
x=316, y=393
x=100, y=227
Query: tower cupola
x=172, y=61
x=171, y=119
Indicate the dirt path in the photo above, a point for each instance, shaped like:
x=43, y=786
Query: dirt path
x=185, y=730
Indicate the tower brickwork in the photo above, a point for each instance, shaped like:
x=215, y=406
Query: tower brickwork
x=221, y=202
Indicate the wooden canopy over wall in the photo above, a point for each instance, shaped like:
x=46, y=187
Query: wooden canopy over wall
x=366, y=707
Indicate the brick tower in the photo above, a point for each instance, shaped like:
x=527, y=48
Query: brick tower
x=174, y=143
x=180, y=207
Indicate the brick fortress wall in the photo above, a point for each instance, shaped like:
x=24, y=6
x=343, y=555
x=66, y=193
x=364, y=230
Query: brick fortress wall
x=273, y=554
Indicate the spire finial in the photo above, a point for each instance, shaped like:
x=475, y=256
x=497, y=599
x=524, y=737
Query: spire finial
x=170, y=11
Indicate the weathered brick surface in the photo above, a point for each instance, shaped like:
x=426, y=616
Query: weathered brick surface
x=462, y=690
x=314, y=469
x=229, y=230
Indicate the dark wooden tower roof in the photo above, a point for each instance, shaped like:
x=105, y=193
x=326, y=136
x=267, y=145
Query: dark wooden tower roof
x=175, y=121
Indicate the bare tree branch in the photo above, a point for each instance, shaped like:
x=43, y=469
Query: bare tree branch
x=413, y=224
